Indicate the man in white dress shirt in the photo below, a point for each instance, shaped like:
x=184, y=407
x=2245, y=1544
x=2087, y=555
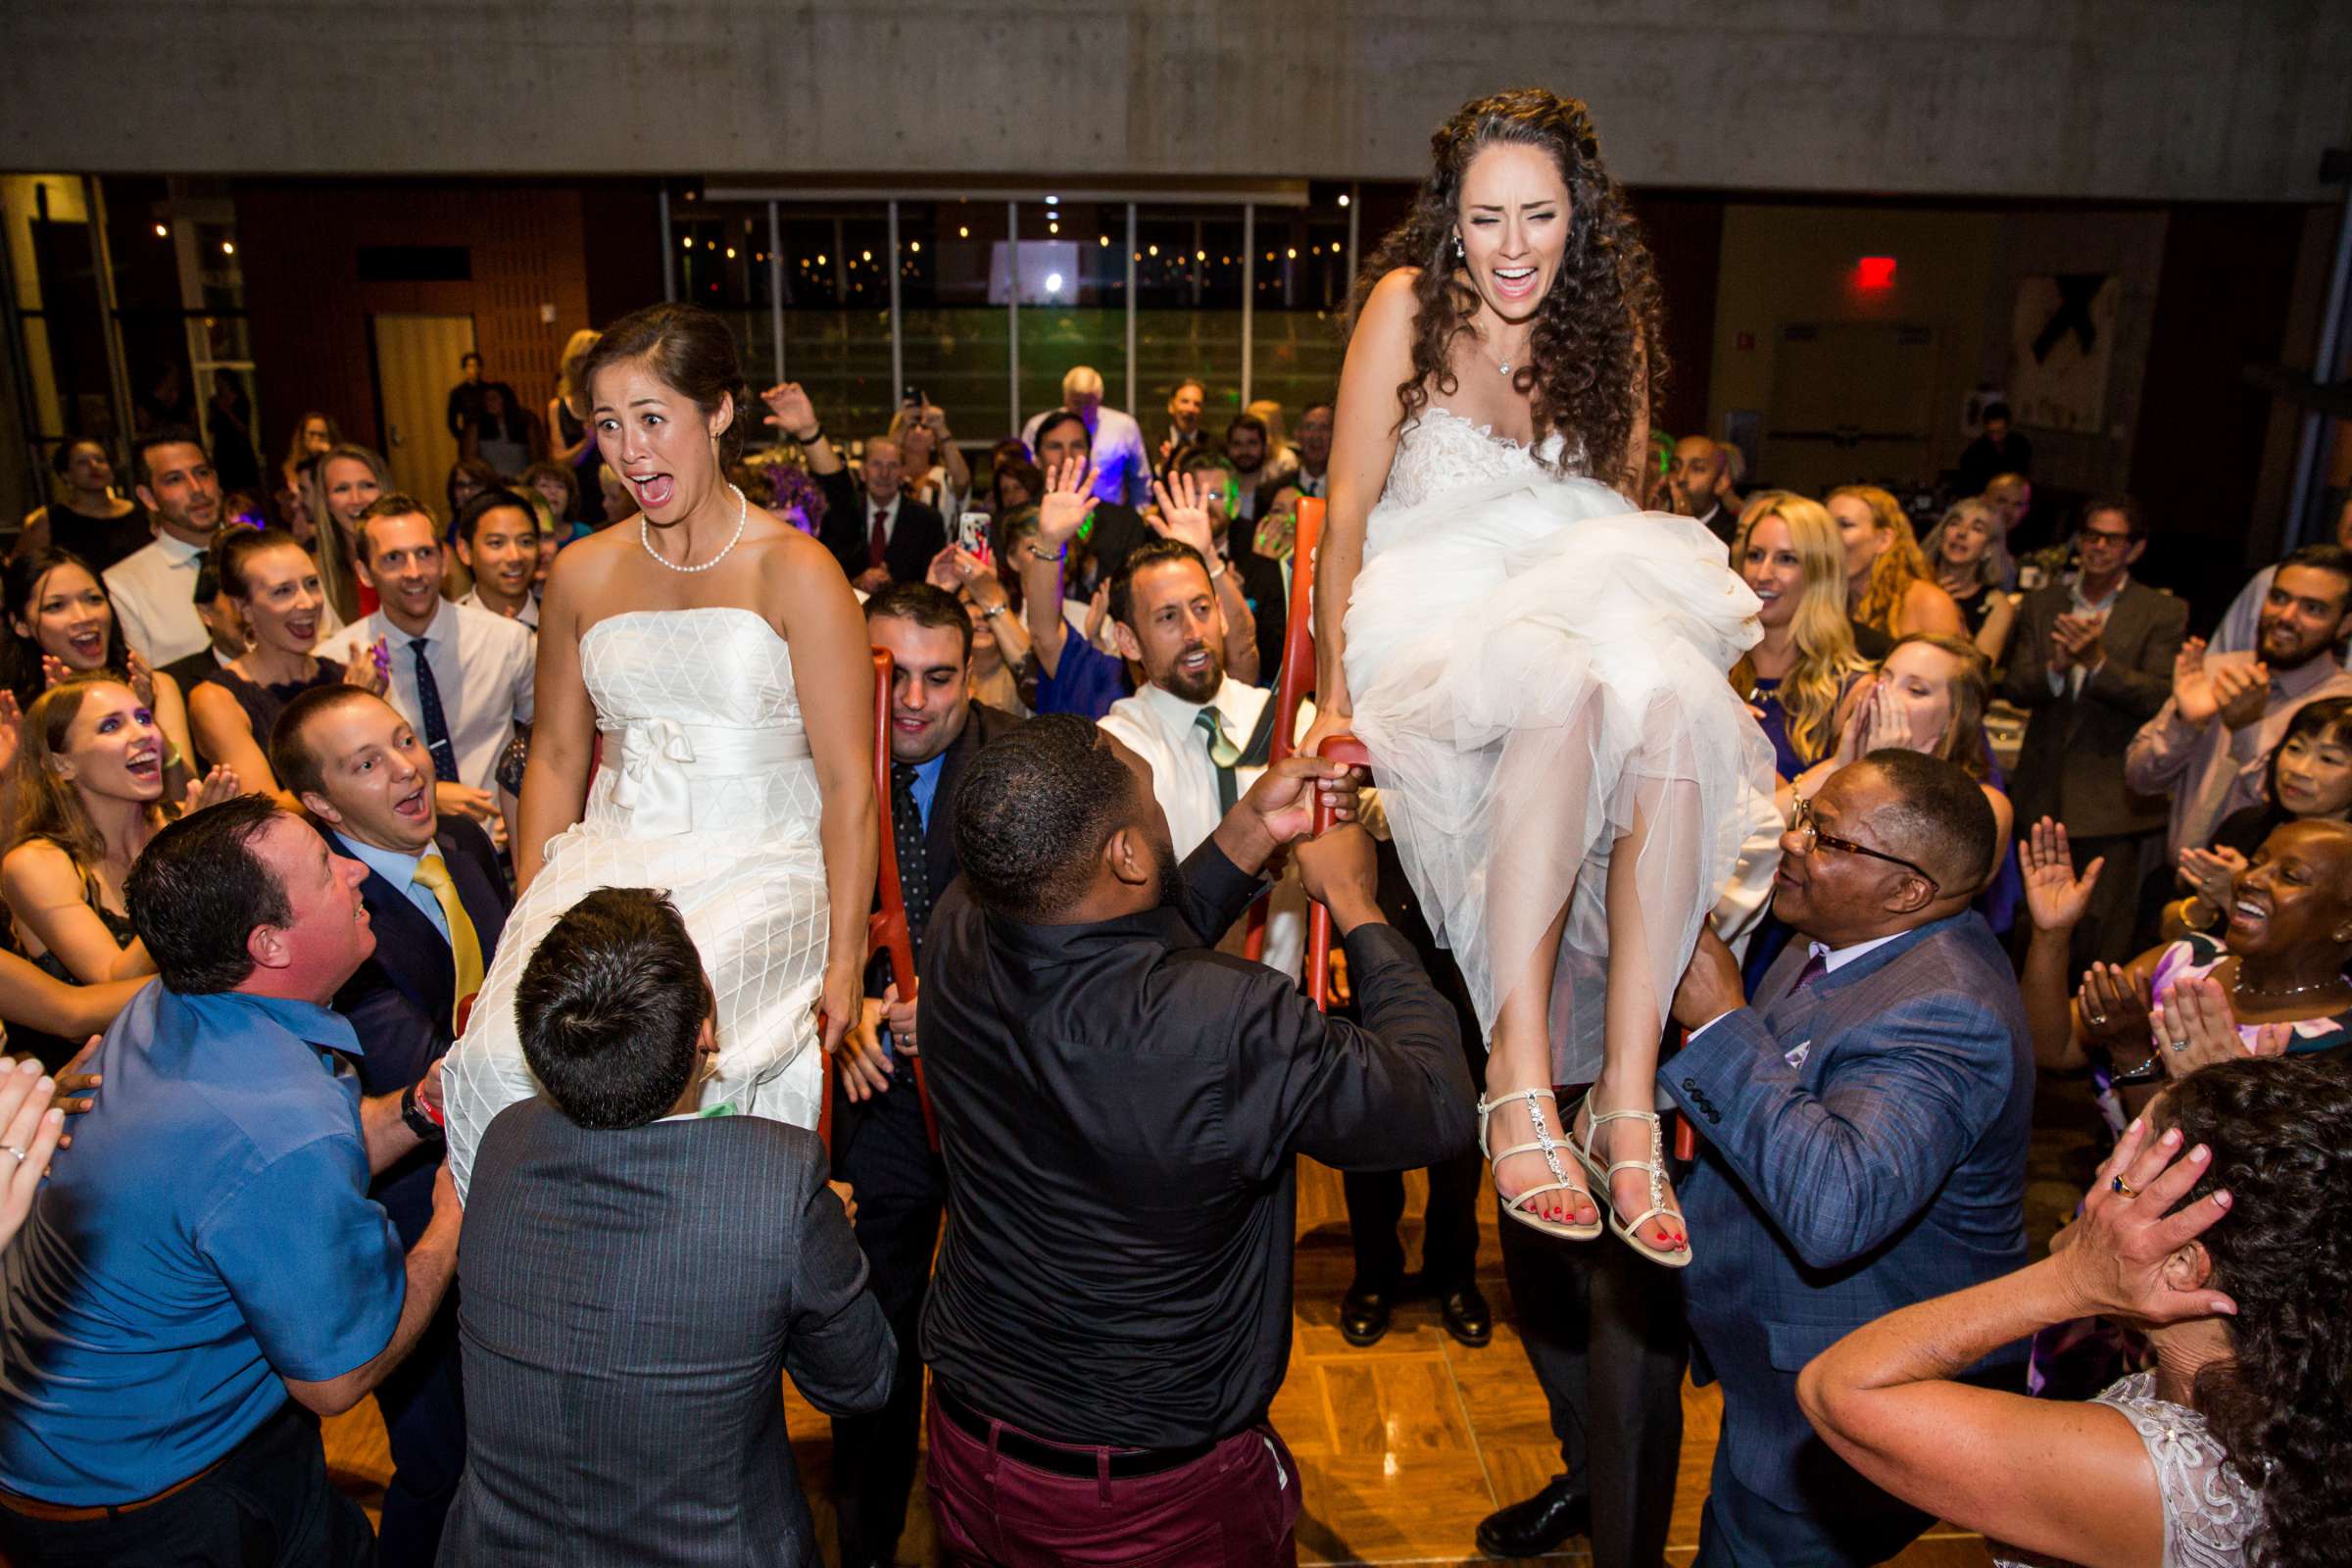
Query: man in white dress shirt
x=154, y=588
x=497, y=536
x=1122, y=469
x=459, y=674
x=1206, y=735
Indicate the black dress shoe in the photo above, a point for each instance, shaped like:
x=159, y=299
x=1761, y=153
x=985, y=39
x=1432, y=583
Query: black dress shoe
x=1541, y=1524
x=1363, y=1316
x=1463, y=1311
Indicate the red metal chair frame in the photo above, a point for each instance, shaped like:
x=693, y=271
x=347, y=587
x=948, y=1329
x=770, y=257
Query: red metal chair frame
x=886, y=931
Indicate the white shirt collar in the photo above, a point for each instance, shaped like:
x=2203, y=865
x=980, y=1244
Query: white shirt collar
x=442, y=628
x=176, y=552
x=1176, y=715
x=1836, y=958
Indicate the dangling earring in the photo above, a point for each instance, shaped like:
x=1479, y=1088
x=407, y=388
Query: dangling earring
x=1457, y=247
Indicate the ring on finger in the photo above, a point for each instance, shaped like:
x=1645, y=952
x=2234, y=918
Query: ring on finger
x=2124, y=1187
x=2098, y=1018
x=12, y=1149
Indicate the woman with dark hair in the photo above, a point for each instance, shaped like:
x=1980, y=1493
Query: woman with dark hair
x=717, y=655
x=2309, y=775
x=1537, y=667
x=2218, y=1227
x=61, y=623
x=277, y=590
x=556, y=485
x=88, y=518
x=315, y=436
x=569, y=441
x=469, y=477
x=506, y=437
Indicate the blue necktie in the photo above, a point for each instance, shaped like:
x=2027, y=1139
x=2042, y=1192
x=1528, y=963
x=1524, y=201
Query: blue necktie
x=436, y=723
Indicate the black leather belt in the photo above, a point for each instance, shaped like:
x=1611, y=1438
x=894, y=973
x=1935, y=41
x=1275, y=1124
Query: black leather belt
x=1081, y=1463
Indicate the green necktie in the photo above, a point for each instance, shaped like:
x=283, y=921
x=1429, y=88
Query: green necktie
x=1222, y=753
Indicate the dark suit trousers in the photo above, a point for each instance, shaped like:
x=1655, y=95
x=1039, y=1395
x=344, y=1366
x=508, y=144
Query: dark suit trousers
x=899, y=1187
x=2110, y=928
x=424, y=1426
x=1603, y=1331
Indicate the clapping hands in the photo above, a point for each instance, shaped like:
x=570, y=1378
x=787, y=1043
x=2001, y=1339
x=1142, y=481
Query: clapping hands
x=2235, y=692
x=2198, y=1029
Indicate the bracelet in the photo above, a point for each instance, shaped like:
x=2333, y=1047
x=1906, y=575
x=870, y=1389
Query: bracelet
x=992, y=612
x=1223, y=569
x=812, y=437
x=420, y=1121
x=2190, y=925
x=2147, y=1073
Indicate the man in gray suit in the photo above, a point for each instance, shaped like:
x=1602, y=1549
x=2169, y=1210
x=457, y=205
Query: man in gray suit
x=1863, y=1136
x=2091, y=660
x=644, y=1277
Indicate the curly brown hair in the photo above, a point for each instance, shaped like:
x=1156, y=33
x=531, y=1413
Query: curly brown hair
x=2281, y=1139
x=1595, y=356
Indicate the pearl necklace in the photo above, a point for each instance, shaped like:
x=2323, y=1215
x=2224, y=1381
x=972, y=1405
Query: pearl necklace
x=2241, y=989
x=743, y=511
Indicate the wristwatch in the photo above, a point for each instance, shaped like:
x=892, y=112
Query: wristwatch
x=419, y=1120
x=992, y=612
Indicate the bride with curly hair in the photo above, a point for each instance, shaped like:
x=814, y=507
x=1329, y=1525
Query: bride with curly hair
x=1537, y=666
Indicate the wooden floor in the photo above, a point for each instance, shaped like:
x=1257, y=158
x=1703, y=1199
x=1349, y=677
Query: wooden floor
x=1404, y=1447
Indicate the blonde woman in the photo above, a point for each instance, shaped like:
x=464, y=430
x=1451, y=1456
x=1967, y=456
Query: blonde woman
x=345, y=481
x=567, y=439
x=936, y=473
x=1791, y=555
x=1282, y=459
x=1887, y=587
x=1969, y=561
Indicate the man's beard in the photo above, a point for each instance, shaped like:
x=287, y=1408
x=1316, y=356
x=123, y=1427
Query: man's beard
x=2303, y=654
x=1201, y=687
x=1171, y=876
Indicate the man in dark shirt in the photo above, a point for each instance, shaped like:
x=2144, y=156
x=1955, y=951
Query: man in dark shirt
x=1120, y=1108
x=2000, y=450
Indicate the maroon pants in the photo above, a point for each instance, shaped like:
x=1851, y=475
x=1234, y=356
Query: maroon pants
x=1233, y=1507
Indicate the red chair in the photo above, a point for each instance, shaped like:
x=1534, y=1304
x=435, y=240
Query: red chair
x=886, y=932
x=1296, y=676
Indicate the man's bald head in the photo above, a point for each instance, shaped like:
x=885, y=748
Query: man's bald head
x=1899, y=839
x=1937, y=817
x=1694, y=474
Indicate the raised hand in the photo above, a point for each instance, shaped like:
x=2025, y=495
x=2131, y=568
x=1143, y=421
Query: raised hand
x=2111, y=1011
x=1098, y=610
x=140, y=677
x=2055, y=896
x=790, y=410
x=214, y=789
x=53, y=670
x=371, y=672
x=941, y=573
x=1068, y=501
x=1184, y=513
x=2211, y=874
x=12, y=727
x=2193, y=699
x=2242, y=692
x=1277, y=535
x=2118, y=1260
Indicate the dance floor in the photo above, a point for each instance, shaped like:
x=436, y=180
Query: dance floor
x=1404, y=1447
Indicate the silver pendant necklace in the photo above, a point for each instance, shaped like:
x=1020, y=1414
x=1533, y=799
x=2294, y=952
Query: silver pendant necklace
x=743, y=513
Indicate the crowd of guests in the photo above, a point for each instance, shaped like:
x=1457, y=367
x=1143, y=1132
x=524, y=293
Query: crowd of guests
x=263, y=757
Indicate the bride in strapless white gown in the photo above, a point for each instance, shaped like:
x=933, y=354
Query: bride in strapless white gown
x=732, y=769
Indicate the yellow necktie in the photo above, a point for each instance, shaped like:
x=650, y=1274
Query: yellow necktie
x=464, y=946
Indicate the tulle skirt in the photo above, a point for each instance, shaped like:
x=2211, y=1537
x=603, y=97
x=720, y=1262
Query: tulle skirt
x=1532, y=664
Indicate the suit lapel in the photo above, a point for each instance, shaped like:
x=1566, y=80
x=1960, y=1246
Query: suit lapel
x=402, y=935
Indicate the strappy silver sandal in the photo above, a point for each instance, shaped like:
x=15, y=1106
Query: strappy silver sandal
x=1630, y=1231
x=1546, y=1146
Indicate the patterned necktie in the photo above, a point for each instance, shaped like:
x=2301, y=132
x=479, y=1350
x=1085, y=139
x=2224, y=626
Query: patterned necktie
x=464, y=948
x=914, y=873
x=436, y=721
x=1815, y=967
x=877, y=541
x=1222, y=754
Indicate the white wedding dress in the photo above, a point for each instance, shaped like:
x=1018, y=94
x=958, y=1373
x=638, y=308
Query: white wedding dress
x=1529, y=658
x=706, y=791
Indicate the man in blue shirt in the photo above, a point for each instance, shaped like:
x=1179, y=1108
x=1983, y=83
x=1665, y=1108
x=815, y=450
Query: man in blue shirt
x=205, y=1275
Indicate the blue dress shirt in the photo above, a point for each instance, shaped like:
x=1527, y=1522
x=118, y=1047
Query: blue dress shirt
x=399, y=869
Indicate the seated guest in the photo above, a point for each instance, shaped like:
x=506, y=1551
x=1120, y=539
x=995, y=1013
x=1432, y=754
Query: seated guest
x=150, y=586
x=228, y=641
x=1013, y=481
x=1281, y=457
x=935, y=472
x=1249, y=586
x=2241, y=623
x=1888, y=588
x=204, y=1275
x=344, y=483
x=2280, y=956
x=89, y=795
x=609, y=1188
x=2217, y=1228
x=2227, y=712
x=882, y=1145
x=1692, y=474
x=497, y=537
x=1000, y=656
x=87, y=519
x=1965, y=553
x=437, y=902
x=1310, y=477
x=274, y=587
x=1862, y=1138
x=1184, y=432
x=2088, y=664
x=1123, y=1113
x=2309, y=777
x=1997, y=452
x=1113, y=527
x=61, y=623
x=462, y=675
x=1073, y=675
x=874, y=530
x=469, y=477
x=556, y=484
x=1796, y=676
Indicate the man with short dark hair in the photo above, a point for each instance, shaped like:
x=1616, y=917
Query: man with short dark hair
x=1256, y=581
x=463, y=676
x=497, y=538
x=1184, y=432
x=437, y=902
x=2090, y=663
x=1862, y=1137
x=1123, y=1110
x=2230, y=711
x=1245, y=452
x=206, y=1275
x=882, y=1143
x=1998, y=450
x=691, y=1261
x=1312, y=441
x=152, y=587
x=223, y=626
x=466, y=398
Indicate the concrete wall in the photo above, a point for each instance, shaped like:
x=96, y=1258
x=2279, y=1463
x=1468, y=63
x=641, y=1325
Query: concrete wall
x=2161, y=99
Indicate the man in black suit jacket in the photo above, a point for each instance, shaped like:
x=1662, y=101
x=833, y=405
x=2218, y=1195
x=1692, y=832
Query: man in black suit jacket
x=638, y=1279
x=882, y=1145
x=879, y=534
x=1110, y=530
x=433, y=888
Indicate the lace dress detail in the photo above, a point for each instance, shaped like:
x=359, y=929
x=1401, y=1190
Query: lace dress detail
x=1532, y=662
x=2209, y=1512
x=706, y=790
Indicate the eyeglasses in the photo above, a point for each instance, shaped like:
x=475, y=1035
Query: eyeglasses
x=2104, y=536
x=1810, y=837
